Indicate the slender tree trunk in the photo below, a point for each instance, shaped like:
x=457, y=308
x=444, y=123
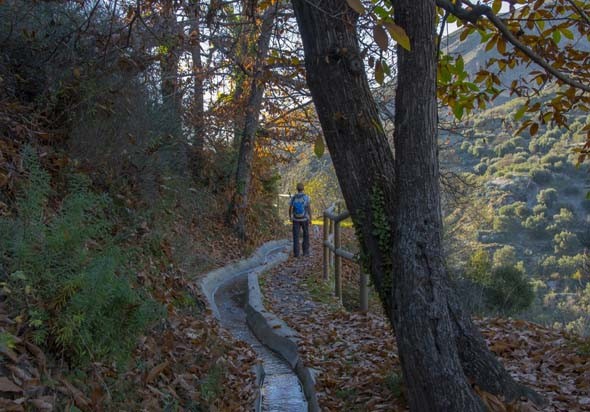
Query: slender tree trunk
x=246, y=34
x=239, y=203
x=198, y=106
x=394, y=201
x=171, y=93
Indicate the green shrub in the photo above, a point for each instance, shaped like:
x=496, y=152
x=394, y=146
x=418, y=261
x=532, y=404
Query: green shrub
x=566, y=243
x=542, y=145
x=568, y=265
x=505, y=256
x=559, y=166
x=516, y=209
x=504, y=148
x=518, y=141
x=509, y=290
x=479, y=149
x=540, y=209
x=479, y=266
x=505, y=223
x=465, y=146
x=541, y=176
x=547, y=197
x=480, y=168
x=552, y=158
x=549, y=265
x=67, y=273
x=565, y=218
x=536, y=224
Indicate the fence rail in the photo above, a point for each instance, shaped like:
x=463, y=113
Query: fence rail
x=333, y=255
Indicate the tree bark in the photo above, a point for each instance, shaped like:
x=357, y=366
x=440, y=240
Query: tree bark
x=395, y=200
x=171, y=94
x=239, y=203
x=198, y=104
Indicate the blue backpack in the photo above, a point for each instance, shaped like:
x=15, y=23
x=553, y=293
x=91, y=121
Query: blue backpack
x=299, y=203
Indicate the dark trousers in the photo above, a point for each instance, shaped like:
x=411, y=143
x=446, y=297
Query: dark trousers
x=297, y=226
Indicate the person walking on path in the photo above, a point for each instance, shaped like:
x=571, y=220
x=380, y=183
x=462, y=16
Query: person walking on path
x=300, y=215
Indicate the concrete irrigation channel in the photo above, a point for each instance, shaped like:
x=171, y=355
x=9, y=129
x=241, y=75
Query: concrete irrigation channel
x=286, y=385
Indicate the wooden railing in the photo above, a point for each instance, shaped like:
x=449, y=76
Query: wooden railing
x=333, y=255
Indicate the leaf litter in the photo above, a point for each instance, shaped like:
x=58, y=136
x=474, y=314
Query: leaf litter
x=356, y=360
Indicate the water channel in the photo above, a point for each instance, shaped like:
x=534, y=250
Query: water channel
x=281, y=389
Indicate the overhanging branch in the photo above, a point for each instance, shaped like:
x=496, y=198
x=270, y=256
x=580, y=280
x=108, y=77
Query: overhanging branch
x=476, y=11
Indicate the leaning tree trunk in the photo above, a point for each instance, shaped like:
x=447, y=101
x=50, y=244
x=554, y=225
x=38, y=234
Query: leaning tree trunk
x=239, y=203
x=394, y=202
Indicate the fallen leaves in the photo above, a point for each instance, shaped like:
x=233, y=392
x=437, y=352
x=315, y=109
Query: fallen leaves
x=543, y=359
x=355, y=354
x=187, y=360
x=21, y=386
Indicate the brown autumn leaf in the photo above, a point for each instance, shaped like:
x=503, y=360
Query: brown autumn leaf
x=153, y=374
x=356, y=5
x=6, y=385
x=380, y=36
x=44, y=403
x=80, y=399
x=493, y=403
x=8, y=405
x=38, y=354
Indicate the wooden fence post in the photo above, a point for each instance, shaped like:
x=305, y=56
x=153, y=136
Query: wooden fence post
x=364, y=291
x=331, y=234
x=326, y=248
x=337, y=263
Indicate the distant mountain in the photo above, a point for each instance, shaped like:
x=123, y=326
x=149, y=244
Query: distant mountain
x=476, y=57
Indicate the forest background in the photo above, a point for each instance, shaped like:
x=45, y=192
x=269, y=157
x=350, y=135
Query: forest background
x=140, y=144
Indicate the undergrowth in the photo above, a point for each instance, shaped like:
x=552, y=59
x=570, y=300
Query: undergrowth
x=67, y=275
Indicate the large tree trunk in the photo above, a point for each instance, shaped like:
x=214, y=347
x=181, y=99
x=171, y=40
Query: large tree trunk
x=420, y=289
x=239, y=203
x=394, y=201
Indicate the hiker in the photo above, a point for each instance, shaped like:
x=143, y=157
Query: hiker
x=300, y=215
